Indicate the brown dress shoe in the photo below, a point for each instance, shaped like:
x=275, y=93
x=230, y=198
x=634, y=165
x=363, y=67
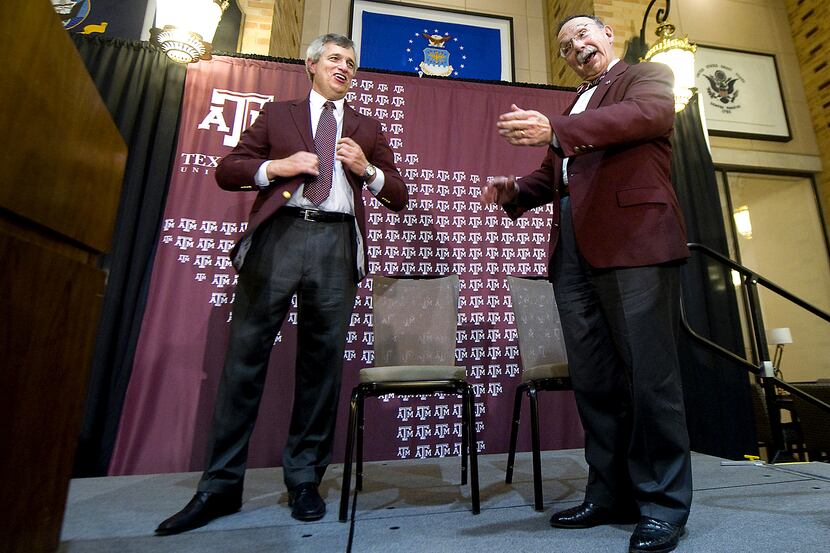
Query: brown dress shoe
x=204, y=507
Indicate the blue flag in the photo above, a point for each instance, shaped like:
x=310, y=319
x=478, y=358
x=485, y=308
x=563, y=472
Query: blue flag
x=429, y=47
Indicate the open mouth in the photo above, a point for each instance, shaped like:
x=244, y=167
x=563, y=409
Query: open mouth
x=341, y=78
x=586, y=56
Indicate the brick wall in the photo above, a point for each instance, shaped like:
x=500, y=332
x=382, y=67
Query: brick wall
x=256, y=31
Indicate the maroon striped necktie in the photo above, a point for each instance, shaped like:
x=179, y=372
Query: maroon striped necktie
x=585, y=85
x=319, y=187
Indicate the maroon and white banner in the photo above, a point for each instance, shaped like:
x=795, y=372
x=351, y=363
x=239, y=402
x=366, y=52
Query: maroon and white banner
x=446, y=146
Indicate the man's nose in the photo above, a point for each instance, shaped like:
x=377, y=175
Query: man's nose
x=580, y=40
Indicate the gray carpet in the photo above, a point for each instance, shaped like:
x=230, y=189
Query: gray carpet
x=418, y=506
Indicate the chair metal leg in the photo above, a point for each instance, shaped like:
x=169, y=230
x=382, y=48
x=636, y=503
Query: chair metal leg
x=464, y=434
x=537, y=456
x=473, y=443
x=347, y=460
x=514, y=432
x=358, y=481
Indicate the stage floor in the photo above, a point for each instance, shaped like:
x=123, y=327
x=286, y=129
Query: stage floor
x=418, y=506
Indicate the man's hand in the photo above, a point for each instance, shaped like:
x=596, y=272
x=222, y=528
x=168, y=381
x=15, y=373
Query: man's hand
x=499, y=190
x=525, y=127
x=293, y=165
x=351, y=156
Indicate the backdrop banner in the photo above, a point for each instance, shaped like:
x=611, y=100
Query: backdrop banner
x=446, y=146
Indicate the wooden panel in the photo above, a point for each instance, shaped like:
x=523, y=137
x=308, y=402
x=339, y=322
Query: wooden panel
x=49, y=308
x=61, y=166
x=56, y=154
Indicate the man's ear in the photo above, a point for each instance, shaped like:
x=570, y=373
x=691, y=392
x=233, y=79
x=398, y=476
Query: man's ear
x=310, y=66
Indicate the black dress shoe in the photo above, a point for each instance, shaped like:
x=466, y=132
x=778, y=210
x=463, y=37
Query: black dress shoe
x=655, y=536
x=204, y=507
x=589, y=515
x=306, y=503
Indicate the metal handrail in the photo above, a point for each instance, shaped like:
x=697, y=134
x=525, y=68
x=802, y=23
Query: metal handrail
x=764, y=368
x=759, y=280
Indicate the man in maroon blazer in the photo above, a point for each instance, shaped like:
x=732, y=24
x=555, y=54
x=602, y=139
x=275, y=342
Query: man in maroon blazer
x=306, y=235
x=616, y=245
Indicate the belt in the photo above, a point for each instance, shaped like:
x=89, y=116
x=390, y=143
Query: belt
x=315, y=215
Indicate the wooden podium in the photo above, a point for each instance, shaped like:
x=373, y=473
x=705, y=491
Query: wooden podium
x=61, y=166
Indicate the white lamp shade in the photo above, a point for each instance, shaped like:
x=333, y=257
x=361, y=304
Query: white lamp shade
x=781, y=335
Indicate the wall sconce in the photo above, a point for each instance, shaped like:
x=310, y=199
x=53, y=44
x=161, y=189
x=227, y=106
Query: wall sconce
x=743, y=224
x=184, y=28
x=678, y=54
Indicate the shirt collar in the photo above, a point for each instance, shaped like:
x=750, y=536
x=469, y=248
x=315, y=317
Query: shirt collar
x=317, y=100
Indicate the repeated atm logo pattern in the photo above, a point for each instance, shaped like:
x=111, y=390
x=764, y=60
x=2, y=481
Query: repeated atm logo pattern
x=444, y=230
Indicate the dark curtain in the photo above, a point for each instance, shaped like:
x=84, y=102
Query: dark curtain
x=227, y=32
x=718, y=405
x=143, y=91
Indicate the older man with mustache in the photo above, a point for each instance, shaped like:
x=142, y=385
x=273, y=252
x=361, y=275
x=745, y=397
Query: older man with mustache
x=617, y=242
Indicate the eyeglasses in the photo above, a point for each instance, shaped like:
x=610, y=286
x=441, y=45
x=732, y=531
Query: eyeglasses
x=582, y=33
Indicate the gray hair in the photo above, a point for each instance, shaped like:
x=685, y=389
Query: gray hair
x=315, y=49
x=600, y=23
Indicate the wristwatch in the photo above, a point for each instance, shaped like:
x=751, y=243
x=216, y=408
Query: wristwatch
x=369, y=172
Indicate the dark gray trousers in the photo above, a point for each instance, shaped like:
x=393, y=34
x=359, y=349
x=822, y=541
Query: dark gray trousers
x=620, y=328
x=315, y=260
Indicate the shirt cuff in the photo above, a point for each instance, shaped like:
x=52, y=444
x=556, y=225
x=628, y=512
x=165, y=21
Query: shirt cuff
x=261, y=177
x=376, y=185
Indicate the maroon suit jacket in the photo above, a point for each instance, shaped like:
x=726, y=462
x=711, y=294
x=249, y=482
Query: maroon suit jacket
x=625, y=211
x=284, y=128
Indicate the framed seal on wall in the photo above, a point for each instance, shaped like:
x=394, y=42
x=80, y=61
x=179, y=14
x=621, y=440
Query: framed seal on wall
x=437, y=42
x=741, y=94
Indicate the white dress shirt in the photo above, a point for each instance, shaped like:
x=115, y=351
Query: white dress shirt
x=579, y=107
x=340, y=199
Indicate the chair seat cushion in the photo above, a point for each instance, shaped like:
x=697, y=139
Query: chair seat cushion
x=548, y=370
x=409, y=373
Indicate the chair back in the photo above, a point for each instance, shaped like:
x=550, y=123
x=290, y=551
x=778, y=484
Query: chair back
x=537, y=322
x=415, y=320
x=815, y=422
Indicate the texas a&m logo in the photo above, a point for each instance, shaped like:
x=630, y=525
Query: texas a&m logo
x=241, y=108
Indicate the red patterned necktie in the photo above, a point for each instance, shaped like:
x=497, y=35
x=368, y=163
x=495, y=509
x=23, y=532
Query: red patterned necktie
x=319, y=187
x=585, y=85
